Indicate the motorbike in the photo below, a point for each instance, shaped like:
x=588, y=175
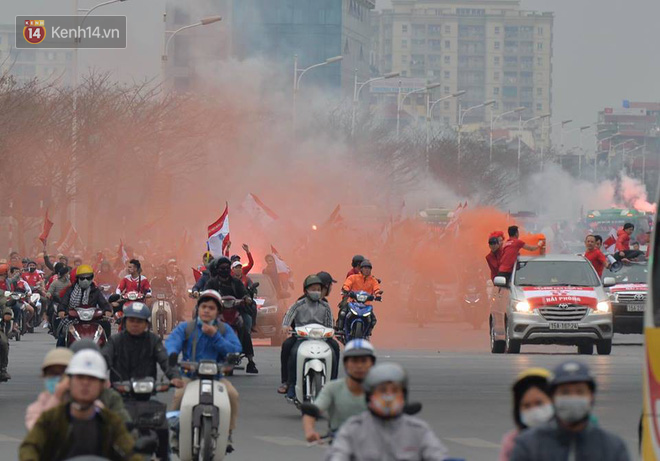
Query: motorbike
x=147, y=414
x=231, y=315
x=84, y=323
x=314, y=361
x=162, y=315
x=205, y=411
x=475, y=307
x=20, y=299
x=359, y=318
x=16, y=327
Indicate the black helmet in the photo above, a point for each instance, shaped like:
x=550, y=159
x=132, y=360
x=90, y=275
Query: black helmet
x=137, y=310
x=312, y=280
x=357, y=259
x=326, y=278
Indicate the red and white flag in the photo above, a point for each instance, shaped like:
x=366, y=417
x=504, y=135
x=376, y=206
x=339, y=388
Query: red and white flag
x=218, y=233
x=609, y=244
x=48, y=225
x=335, y=218
x=258, y=210
x=121, y=252
x=197, y=274
x=282, y=267
x=69, y=239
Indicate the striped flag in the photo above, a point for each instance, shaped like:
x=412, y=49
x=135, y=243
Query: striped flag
x=218, y=233
x=282, y=267
x=258, y=210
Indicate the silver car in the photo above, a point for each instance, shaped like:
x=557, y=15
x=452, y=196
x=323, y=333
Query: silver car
x=553, y=299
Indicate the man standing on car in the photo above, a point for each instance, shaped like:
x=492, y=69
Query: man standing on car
x=493, y=258
x=511, y=250
x=595, y=256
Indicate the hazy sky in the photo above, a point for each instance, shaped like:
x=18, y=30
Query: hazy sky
x=604, y=50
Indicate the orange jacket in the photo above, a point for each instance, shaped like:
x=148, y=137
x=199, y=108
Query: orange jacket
x=359, y=282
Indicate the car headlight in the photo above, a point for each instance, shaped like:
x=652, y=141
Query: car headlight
x=523, y=306
x=603, y=307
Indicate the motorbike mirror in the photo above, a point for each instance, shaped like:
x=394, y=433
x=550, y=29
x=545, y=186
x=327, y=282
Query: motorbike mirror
x=173, y=359
x=412, y=408
x=309, y=409
x=7, y=293
x=233, y=358
x=255, y=286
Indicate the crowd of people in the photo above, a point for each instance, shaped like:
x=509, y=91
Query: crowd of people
x=368, y=410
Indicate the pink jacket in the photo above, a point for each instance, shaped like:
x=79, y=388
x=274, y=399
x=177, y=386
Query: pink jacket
x=508, y=442
x=44, y=402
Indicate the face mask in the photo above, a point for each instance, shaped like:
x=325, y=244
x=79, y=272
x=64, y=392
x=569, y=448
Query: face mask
x=224, y=272
x=200, y=322
x=85, y=284
x=386, y=406
x=537, y=416
x=32, y=269
x=314, y=295
x=572, y=409
x=51, y=383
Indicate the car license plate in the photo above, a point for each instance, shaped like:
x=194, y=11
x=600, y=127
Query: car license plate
x=563, y=326
x=635, y=308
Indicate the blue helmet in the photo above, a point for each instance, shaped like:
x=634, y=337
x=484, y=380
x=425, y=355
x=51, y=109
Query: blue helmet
x=359, y=348
x=137, y=310
x=572, y=372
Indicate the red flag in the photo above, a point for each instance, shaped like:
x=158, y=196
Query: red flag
x=610, y=242
x=48, y=225
x=335, y=218
x=197, y=274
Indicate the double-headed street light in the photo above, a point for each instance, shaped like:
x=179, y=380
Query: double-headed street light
x=494, y=119
x=401, y=99
x=429, y=113
x=521, y=127
x=297, y=76
x=461, y=116
x=357, y=89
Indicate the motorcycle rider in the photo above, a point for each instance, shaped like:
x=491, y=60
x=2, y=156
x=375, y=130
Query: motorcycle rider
x=327, y=281
x=572, y=434
x=206, y=338
x=222, y=282
x=134, y=354
x=106, y=276
x=21, y=286
x=5, y=331
x=384, y=432
x=310, y=309
x=355, y=265
x=134, y=281
x=55, y=384
x=79, y=427
x=532, y=406
x=363, y=281
x=83, y=293
x=179, y=285
x=33, y=277
x=342, y=398
x=10, y=284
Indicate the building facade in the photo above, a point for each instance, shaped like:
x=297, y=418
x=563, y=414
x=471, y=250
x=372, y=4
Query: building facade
x=490, y=48
x=314, y=30
x=53, y=66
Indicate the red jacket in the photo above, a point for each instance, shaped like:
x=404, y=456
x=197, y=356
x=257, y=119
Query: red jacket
x=248, y=268
x=32, y=278
x=493, y=260
x=622, y=241
x=139, y=284
x=353, y=271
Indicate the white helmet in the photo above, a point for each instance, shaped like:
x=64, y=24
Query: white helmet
x=88, y=362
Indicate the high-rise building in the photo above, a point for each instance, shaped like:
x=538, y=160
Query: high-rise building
x=277, y=30
x=53, y=66
x=490, y=48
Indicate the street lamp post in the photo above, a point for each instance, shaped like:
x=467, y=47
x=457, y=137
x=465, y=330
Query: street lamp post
x=492, y=123
x=166, y=40
x=521, y=126
x=298, y=75
x=401, y=98
x=582, y=129
x=357, y=89
x=429, y=113
x=461, y=116
x=599, y=141
x=561, y=133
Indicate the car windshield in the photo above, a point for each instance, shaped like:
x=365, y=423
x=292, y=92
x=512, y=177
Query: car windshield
x=556, y=273
x=633, y=273
x=265, y=289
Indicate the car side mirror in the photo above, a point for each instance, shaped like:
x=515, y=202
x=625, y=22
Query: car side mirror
x=499, y=281
x=609, y=282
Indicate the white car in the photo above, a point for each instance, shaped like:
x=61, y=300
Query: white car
x=553, y=299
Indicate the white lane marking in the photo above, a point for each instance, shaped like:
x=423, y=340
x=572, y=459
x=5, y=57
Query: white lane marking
x=282, y=441
x=473, y=442
x=6, y=438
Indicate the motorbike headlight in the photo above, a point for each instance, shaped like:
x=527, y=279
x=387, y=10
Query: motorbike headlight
x=603, y=307
x=160, y=296
x=362, y=298
x=316, y=333
x=208, y=369
x=523, y=306
x=143, y=387
x=354, y=312
x=367, y=314
x=132, y=296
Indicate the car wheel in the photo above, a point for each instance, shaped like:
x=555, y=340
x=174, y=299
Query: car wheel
x=496, y=345
x=585, y=349
x=512, y=345
x=604, y=347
